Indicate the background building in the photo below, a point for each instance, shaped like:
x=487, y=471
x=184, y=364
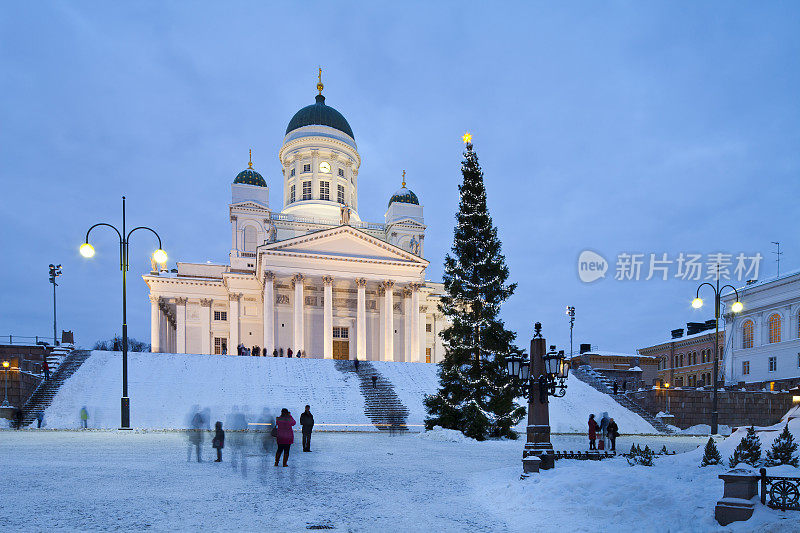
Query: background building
x=687, y=361
x=764, y=343
x=635, y=370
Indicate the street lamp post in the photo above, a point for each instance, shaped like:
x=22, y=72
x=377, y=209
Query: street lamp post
x=55, y=271
x=543, y=375
x=571, y=315
x=5, y=394
x=160, y=256
x=697, y=303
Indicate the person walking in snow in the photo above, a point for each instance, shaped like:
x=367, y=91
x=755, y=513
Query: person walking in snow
x=604, y=429
x=39, y=418
x=218, y=442
x=275, y=352
x=613, y=433
x=307, y=423
x=289, y=353
x=46, y=370
x=593, y=427
x=195, y=436
x=616, y=389
x=374, y=380
x=84, y=417
x=355, y=363
x=285, y=435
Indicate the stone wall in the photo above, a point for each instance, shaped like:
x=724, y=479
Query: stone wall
x=736, y=408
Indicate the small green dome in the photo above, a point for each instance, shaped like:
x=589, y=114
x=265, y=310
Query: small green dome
x=319, y=114
x=404, y=196
x=249, y=176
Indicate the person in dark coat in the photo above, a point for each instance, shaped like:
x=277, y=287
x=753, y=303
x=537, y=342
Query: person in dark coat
x=615, y=388
x=39, y=418
x=275, y=352
x=289, y=352
x=355, y=363
x=624, y=385
x=604, y=429
x=307, y=422
x=196, y=436
x=219, y=440
x=46, y=370
x=374, y=381
x=613, y=433
x=256, y=351
x=593, y=427
x=285, y=435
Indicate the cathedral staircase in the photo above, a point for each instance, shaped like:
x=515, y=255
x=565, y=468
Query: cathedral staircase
x=43, y=396
x=599, y=382
x=381, y=404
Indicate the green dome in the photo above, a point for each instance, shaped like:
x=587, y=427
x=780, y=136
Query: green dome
x=249, y=176
x=321, y=115
x=404, y=196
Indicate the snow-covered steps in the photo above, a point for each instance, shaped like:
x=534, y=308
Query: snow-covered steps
x=381, y=403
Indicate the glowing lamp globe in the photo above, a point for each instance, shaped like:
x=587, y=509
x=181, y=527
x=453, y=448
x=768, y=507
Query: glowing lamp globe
x=737, y=307
x=697, y=303
x=160, y=256
x=87, y=250
x=5, y=364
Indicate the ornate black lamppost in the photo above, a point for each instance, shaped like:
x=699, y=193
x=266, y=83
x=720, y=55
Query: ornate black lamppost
x=544, y=375
x=160, y=256
x=736, y=307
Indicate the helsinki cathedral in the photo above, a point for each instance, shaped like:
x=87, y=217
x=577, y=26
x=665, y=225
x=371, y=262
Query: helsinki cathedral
x=308, y=274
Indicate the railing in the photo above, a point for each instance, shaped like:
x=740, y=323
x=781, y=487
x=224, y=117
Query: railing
x=584, y=456
x=22, y=340
x=780, y=492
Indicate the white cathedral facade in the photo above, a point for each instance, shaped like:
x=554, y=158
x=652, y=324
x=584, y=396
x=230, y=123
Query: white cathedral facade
x=312, y=277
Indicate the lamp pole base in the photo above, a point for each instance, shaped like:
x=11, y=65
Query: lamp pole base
x=125, y=412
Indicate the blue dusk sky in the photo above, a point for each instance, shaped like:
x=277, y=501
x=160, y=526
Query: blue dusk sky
x=617, y=127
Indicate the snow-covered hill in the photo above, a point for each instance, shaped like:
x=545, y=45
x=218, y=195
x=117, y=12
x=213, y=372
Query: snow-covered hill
x=164, y=388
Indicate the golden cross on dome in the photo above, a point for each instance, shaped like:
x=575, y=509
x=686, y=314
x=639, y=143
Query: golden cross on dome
x=319, y=83
x=467, y=138
x=250, y=164
x=404, y=179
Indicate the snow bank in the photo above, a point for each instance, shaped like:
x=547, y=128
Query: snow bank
x=705, y=429
x=570, y=414
x=440, y=434
x=165, y=388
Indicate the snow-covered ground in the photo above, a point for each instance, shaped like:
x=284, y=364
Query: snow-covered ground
x=165, y=388
x=87, y=480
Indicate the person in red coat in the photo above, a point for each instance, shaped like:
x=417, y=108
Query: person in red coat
x=593, y=427
x=285, y=435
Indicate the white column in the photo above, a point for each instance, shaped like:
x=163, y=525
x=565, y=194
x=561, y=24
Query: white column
x=409, y=352
x=269, y=313
x=180, y=325
x=233, y=322
x=361, y=319
x=417, y=338
x=388, y=325
x=297, y=340
x=155, y=312
x=327, y=318
x=205, y=326
x=234, y=242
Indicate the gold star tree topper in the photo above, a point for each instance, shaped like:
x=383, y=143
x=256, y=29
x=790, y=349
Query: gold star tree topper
x=467, y=138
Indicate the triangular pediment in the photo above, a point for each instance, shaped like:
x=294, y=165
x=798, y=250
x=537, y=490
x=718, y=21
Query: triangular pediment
x=248, y=205
x=344, y=241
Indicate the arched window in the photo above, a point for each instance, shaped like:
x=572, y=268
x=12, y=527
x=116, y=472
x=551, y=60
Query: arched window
x=250, y=238
x=747, y=334
x=775, y=328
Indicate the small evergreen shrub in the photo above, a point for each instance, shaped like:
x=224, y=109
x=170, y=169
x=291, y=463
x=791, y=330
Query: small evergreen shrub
x=711, y=455
x=748, y=451
x=782, y=452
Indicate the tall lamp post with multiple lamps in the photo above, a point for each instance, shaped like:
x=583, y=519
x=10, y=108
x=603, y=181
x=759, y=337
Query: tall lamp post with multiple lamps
x=160, y=256
x=55, y=271
x=736, y=307
x=544, y=375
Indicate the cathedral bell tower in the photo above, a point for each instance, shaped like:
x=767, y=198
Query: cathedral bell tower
x=250, y=217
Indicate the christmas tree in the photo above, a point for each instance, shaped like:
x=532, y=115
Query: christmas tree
x=748, y=450
x=782, y=452
x=711, y=455
x=475, y=395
